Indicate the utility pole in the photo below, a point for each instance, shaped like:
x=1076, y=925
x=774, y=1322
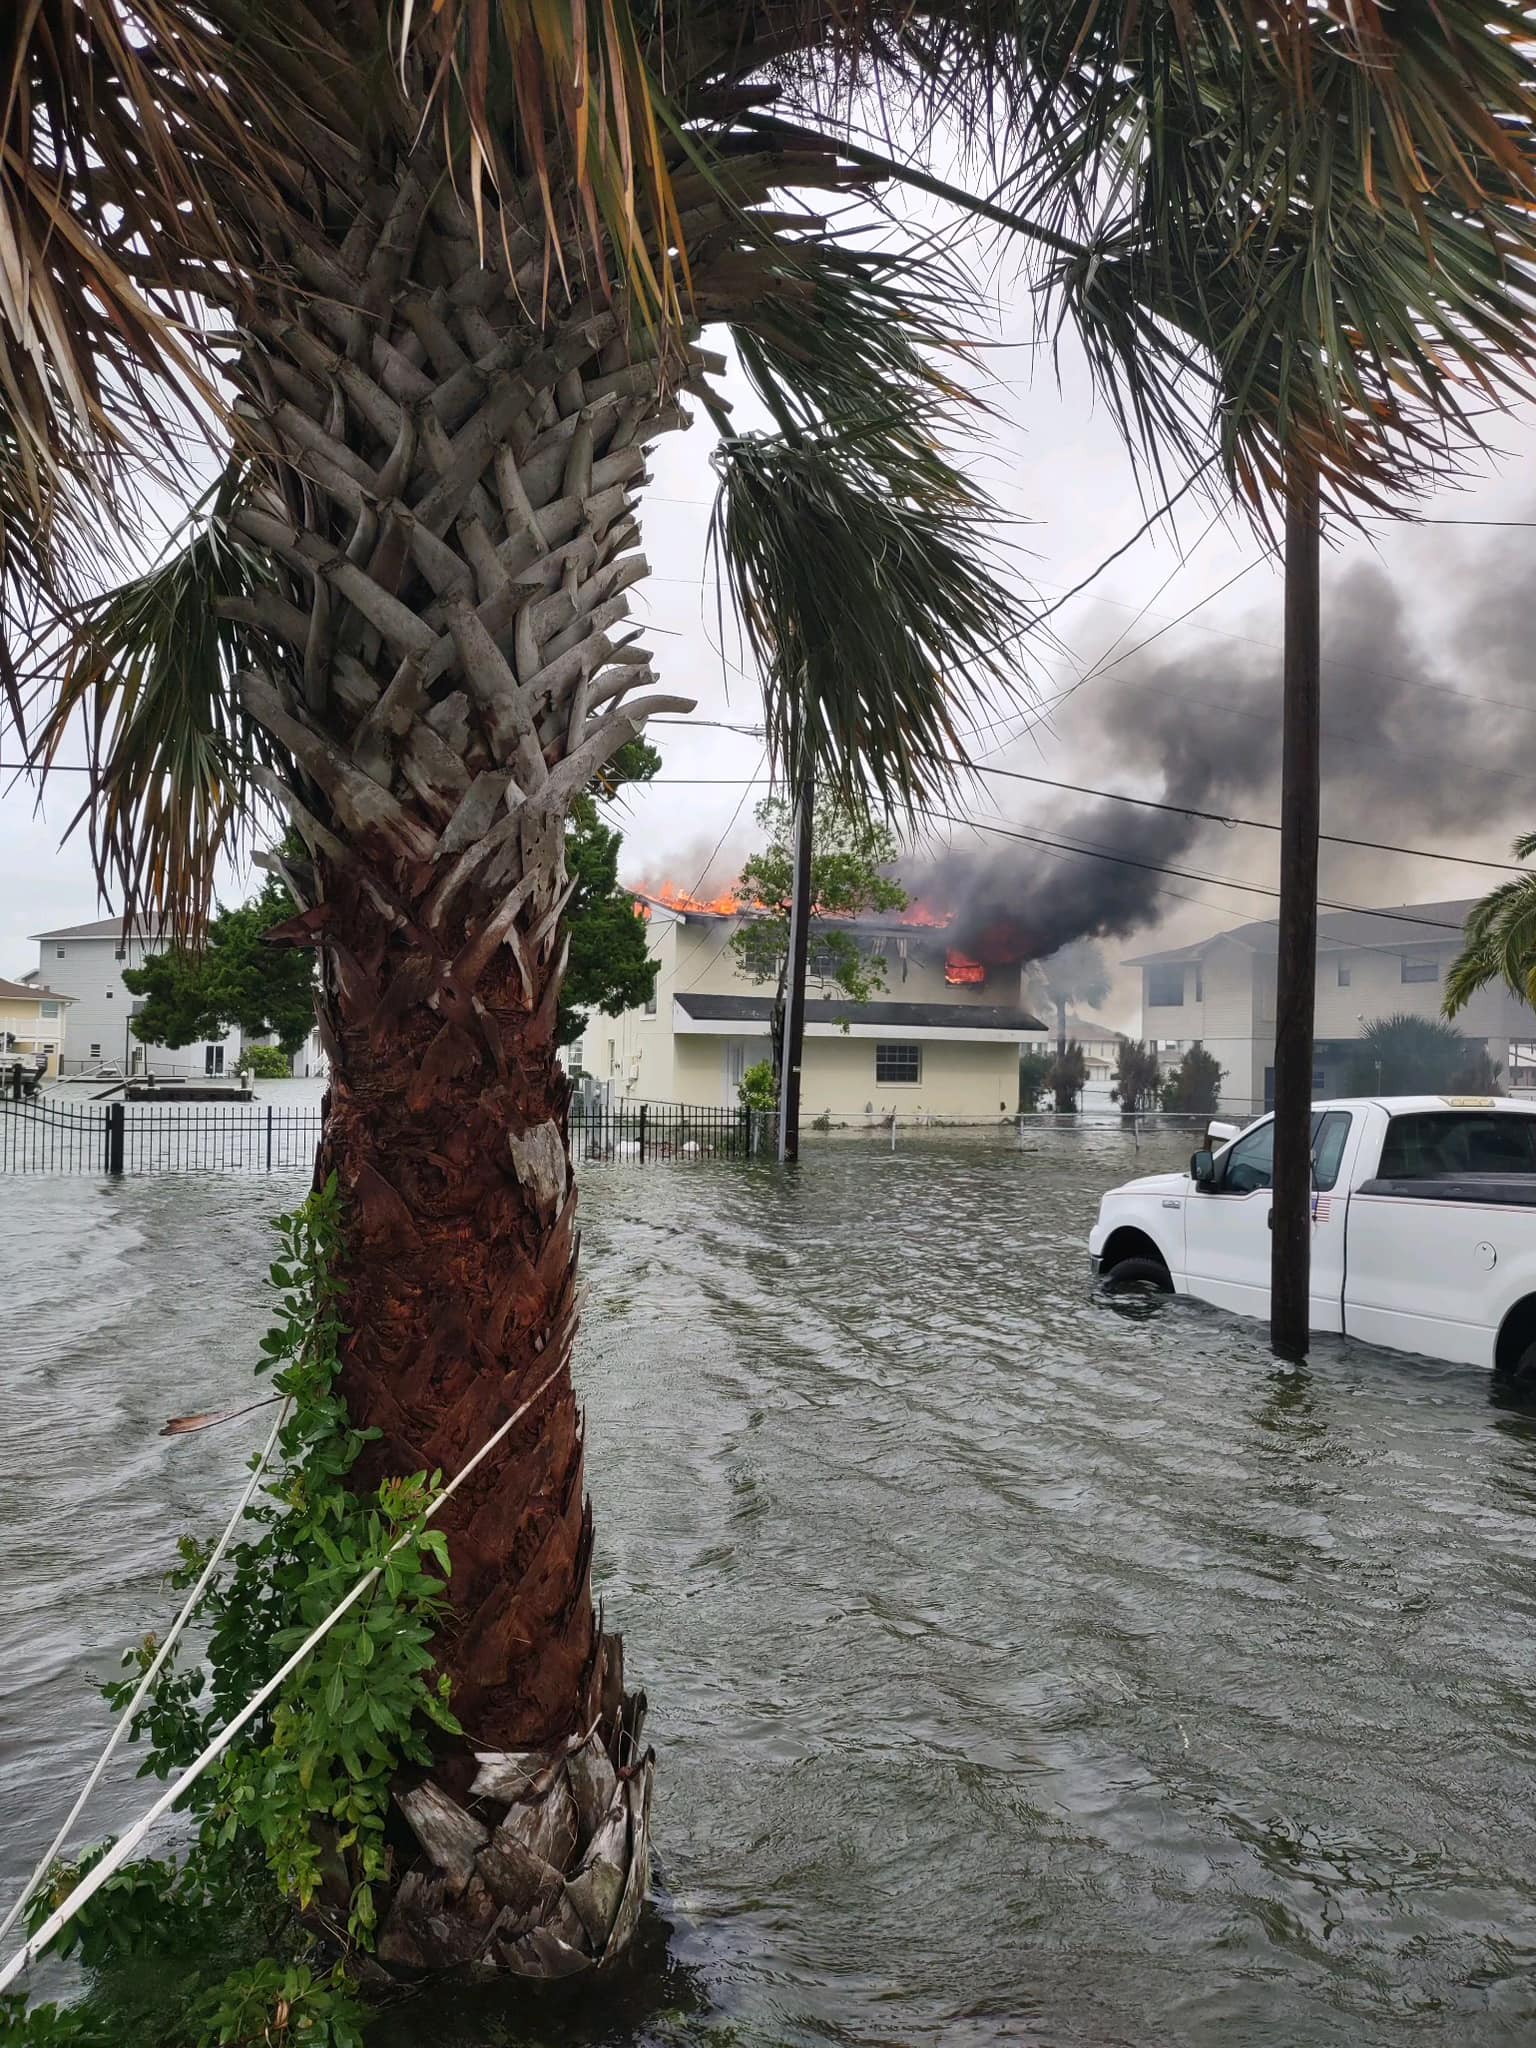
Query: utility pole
x=1296, y=953
x=794, y=989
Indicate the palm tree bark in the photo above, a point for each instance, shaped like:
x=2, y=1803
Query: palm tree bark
x=447, y=491
x=1296, y=951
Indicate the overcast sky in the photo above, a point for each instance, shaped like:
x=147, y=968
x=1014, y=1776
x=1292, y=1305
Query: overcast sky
x=1056, y=462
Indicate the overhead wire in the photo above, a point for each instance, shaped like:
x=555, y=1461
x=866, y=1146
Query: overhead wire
x=1115, y=796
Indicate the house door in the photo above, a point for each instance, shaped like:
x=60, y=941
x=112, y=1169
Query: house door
x=213, y=1059
x=737, y=1061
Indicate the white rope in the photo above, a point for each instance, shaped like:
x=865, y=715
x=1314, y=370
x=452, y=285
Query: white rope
x=125, y=1719
x=120, y=1851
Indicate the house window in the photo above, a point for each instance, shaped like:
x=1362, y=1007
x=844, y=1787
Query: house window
x=1165, y=988
x=1344, y=973
x=95, y=1052
x=1199, y=984
x=121, y=953
x=898, y=1065
x=650, y=1004
x=58, y=952
x=48, y=1009
x=1420, y=970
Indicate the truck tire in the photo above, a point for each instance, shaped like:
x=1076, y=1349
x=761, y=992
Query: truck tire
x=1144, y=1276
x=1522, y=1373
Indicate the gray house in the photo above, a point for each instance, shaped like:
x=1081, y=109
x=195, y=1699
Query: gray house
x=89, y=959
x=1370, y=964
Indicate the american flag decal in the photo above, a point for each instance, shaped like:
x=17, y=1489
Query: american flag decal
x=1322, y=1206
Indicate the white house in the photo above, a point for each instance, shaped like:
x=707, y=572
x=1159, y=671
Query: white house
x=1370, y=964
x=942, y=1040
x=89, y=959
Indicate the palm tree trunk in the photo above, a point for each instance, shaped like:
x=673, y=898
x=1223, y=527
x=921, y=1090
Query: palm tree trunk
x=446, y=497
x=1296, y=951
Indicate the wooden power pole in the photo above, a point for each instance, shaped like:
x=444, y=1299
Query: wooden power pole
x=794, y=990
x=1296, y=953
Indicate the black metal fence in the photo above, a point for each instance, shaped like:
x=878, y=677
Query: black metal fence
x=46, y=1135
x=639, y=1132
x=49, y=1136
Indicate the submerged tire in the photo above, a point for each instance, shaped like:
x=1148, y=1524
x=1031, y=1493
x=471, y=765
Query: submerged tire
x=1141, y=1276
x=1521, y=1375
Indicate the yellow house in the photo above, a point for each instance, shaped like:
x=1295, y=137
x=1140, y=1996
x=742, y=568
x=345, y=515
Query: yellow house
x=942, y=1040
x=32, y=1023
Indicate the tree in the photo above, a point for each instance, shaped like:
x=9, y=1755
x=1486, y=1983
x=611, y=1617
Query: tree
x=848, y=880
x=1137, y=1076
x=610, y=967
x=1035, y=1069
x=1500, y=940
x=1194, y=1086
x=1068, y=1077
x=1408, y=1055
x=433, y=281
x=234, y=978
x=1076, y=974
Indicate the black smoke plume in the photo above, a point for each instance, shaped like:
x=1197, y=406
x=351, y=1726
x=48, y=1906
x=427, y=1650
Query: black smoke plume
x=1418, y=749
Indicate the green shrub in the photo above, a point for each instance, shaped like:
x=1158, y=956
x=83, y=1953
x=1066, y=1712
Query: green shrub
x=756, y=1089
x=265, y=1063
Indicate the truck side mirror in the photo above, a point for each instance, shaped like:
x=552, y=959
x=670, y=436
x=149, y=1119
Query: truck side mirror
x=1202, y=1169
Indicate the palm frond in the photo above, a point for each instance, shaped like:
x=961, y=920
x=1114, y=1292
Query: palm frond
x=1500, y=943
x=859, y=566
x=147, y=679
x=1329, y=258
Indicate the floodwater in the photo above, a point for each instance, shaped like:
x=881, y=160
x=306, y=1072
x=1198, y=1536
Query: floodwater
x=1024, y=1669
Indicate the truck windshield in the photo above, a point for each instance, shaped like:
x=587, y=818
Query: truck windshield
x=1432, y=1144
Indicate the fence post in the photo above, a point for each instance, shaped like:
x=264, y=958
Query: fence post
x=269, y=1137
x=116, y=1118
x=746, y=1131
x=644, y=1111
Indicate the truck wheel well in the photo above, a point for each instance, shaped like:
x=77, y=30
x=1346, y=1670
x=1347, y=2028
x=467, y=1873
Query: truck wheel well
x=1126, y=1243
x=1516, y=1335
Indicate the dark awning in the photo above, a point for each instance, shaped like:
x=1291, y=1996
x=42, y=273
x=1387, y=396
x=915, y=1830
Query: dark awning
x=894, y=1017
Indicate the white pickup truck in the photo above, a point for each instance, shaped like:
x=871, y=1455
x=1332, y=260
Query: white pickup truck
x=1423, y=1227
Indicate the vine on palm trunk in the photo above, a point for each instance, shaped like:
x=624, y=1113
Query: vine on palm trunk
x=289, y=1839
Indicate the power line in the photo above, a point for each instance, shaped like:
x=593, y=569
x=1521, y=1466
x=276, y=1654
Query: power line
x=1114, y=796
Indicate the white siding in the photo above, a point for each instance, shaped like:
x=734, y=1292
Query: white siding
x=91, y=970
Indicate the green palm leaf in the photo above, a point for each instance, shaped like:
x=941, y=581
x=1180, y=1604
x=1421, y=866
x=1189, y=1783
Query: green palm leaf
x=176, y=768
x=859, y=564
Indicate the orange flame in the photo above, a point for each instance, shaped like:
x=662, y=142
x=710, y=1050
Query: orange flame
x=962, y=972
x=651, y=896
x=668, y=896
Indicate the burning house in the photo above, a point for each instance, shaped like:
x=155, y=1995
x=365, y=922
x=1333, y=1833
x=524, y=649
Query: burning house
x=942, y=1039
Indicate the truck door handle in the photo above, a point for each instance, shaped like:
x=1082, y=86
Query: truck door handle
x=1269, y=1218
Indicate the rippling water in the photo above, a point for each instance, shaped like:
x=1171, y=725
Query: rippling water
x=1024, y=1669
